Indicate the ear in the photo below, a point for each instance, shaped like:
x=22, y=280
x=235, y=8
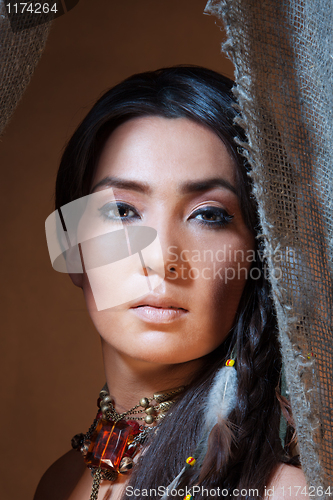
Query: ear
x=75, y=262
x=77, y=279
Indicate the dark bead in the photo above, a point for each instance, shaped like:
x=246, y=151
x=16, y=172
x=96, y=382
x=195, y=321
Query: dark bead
x=126, y=464
x=77, y=441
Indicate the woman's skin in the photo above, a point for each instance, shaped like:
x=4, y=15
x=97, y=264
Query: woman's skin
x=182, y=183
x=178, y=177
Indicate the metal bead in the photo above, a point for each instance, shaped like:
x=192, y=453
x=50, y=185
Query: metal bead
x=149, y=419
x=106, y=399
x=165, y=406
x=144, y=402
x=104, y=392
x=110, y=475
x=150, y=410
x=126, y=464
x=164, y=396
x=105, y=408
x=85, y=447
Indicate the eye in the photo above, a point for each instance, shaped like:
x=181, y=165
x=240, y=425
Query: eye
x=212, y=216
x=118, y=212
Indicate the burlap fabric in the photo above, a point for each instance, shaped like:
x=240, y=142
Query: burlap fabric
x=283, y=55
x=19, y=55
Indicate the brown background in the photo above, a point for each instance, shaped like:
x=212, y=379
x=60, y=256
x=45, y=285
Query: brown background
x=51, y=368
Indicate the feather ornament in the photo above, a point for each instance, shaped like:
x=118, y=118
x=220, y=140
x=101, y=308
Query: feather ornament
x=222, y=397
x=214, y=446
x=173, y=485
x=220, y=402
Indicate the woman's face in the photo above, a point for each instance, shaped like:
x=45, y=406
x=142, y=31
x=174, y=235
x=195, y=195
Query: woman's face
x=177, y=177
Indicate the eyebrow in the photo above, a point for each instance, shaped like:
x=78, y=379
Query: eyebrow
x=206, y=184
x=185, y=188
x=141, y=187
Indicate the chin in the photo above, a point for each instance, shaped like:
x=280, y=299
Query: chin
x=158, y=353
x=158, y=348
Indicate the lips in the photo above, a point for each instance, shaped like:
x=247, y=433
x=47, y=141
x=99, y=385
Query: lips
x=158, y=301
x=158, y=310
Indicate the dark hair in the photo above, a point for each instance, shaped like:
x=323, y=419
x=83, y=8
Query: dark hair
x=184, y=91
x=248, y=459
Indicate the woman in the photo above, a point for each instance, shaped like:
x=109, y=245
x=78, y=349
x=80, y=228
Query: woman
x=160, y=151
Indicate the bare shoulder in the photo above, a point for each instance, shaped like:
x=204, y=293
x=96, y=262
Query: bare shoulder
x=61, y=478
x=287, y=483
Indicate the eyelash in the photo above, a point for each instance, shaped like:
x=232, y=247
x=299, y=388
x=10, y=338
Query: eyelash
x=118, y=207
x=225, y=218
x=218, y=212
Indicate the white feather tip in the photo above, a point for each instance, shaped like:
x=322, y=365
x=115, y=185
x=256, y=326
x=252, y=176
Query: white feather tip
x=221, y=399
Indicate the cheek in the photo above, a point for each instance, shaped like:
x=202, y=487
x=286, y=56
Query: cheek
x=225, y=268
x=105, y=321
x=89, y=297
x=221, y=278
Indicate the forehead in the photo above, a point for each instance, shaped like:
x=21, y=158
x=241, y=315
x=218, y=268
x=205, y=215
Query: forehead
x=156, y=149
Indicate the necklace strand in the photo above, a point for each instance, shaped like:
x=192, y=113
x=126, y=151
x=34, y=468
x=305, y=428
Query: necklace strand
x=123, y=426
x=163, y=402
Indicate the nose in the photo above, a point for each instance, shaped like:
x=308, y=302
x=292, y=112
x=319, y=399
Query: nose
x=150, y=252
x=163, y=257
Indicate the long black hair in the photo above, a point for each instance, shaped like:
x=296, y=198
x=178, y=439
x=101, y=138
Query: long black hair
x=245, y=462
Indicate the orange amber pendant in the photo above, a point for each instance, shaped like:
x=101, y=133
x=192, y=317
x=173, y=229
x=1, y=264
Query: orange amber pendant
x=108, y=443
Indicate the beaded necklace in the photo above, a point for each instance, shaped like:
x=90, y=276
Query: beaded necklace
x=113, y=439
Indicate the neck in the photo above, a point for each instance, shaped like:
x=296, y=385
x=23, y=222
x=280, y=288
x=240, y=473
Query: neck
x=130, y=379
